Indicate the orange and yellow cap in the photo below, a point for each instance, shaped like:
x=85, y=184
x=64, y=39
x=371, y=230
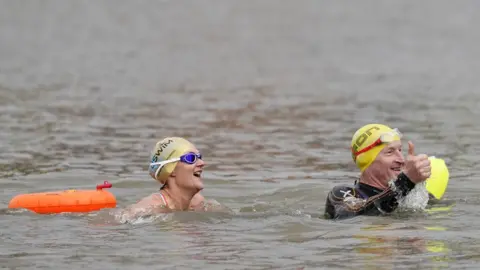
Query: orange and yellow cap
x=369, y=140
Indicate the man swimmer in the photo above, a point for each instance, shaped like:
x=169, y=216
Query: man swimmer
x=177, y=165
x=385, y=174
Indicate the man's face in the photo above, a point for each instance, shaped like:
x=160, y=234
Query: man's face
x=389, y=162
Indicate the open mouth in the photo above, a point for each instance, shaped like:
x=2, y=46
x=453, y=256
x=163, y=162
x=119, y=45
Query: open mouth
x=198, y=174
x=396, y=169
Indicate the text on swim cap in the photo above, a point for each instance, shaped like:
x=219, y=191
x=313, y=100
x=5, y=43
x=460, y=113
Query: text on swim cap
x=160, y=150
x=362, y=138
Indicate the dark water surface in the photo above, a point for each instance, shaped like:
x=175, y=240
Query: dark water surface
x=271, y=92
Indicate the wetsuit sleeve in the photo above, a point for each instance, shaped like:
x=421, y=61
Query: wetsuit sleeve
x=343, y=202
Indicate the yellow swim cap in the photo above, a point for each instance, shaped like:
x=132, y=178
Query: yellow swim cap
x=369, y=140
x=168, y=148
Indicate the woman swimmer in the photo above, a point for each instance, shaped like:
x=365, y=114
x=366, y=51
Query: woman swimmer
x=177, y=165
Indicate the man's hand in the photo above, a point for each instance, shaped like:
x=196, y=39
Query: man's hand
x=417, y=168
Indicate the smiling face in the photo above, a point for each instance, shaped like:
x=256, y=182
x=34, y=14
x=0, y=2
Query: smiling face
x=388, y=163
x=189, y=176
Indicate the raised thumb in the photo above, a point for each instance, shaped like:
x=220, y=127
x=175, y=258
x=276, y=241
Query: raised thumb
x=411, y=149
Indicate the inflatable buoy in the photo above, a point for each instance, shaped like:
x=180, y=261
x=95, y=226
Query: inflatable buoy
x=438, y=181
x=66, y=201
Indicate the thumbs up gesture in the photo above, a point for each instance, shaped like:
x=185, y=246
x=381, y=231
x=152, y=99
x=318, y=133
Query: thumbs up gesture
x=417, y=167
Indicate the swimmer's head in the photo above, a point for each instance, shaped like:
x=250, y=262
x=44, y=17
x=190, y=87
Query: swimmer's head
x=369, y=141
x=180, y=158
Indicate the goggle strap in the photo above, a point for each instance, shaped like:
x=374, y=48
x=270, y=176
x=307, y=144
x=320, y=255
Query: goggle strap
x=163, y=163
x=375, y=143
x=182, y=158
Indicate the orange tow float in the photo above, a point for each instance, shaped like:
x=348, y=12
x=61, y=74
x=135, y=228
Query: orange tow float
x=66, y=201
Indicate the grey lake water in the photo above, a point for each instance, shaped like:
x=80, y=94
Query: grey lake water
x=271, y=93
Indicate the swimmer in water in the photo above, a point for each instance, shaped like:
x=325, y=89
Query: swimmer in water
x=177, y=165
x=385, y=174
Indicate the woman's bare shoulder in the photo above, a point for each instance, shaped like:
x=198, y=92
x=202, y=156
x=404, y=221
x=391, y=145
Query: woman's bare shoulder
x=200, y=204
x=148, y=205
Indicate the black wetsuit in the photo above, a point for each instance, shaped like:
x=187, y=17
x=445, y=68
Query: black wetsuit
x=363, y=199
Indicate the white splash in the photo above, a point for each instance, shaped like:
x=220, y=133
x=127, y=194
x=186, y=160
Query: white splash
x=416, y=199
x=140, y=215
